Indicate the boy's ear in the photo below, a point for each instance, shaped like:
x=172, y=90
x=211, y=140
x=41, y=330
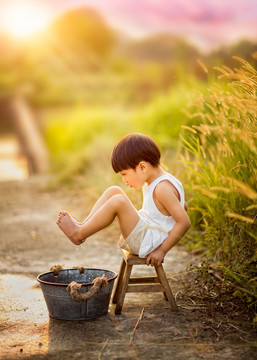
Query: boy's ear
x=142, y=165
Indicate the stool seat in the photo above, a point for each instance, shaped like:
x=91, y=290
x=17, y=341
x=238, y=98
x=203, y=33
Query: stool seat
x=126, y=284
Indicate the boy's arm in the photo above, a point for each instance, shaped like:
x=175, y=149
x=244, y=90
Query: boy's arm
x=165, y=194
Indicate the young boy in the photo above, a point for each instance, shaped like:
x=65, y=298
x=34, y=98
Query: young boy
x=150, y=232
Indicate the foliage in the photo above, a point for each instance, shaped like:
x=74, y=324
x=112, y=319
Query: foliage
x=163, y=116
x=72, y=134
x=219, y=154
x=88, y=34
x=161, y=48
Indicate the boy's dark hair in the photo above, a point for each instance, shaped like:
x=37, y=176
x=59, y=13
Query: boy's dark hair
x=132, y=149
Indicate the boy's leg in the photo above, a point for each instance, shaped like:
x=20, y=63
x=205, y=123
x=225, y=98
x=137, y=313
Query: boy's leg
x=117, y=205
x=107, y=194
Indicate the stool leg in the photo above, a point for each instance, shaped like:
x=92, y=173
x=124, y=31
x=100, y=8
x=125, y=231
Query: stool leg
x=164, y=293
x=124, y=285
x=161, y=274
x=119, y=282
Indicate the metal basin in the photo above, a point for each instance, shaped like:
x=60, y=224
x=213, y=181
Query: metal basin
x=61, y=305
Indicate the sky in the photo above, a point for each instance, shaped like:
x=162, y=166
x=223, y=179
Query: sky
x=205, y=23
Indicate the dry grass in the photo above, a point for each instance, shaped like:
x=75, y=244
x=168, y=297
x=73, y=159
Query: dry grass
x=219, y=155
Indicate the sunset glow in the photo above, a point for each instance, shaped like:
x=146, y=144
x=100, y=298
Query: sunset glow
x=23, y=19
x=206, y=23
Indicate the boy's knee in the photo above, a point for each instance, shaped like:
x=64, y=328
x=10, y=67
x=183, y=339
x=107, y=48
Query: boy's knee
x=120, y=200
x=114, y=190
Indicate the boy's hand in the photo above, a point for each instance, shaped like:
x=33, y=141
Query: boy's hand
x=155, y=258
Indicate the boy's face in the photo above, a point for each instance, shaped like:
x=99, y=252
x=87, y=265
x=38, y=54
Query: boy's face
x=133, y=177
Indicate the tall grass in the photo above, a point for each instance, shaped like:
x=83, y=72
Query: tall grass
x=219, y=154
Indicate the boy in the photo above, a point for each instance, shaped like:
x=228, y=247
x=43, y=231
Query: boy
x=150, y=232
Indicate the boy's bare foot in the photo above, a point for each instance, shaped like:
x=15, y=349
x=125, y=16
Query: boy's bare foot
x=66, y=212
x=70, y=228
x=76, y=222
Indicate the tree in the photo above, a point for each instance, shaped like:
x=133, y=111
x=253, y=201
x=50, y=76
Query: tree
x=83, y=31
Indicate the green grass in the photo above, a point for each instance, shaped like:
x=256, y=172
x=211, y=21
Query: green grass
x=220, y=159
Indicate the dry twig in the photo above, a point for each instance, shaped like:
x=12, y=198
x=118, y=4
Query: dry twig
x=104, y=346
x=138, y=321
x=237, y=328
x=216, y=332
x=177, y=294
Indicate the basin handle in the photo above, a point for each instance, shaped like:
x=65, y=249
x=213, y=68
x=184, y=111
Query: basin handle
x=74, y=288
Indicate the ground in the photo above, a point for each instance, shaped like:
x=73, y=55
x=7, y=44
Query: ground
x=31, y=243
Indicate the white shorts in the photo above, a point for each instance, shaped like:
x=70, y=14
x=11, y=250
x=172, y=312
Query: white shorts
x=133, y=242
x=146, y=232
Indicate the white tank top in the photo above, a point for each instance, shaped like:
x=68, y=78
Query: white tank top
x=159, y=224
x=149, y=212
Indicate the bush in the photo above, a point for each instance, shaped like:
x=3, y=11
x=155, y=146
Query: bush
x=219, y=154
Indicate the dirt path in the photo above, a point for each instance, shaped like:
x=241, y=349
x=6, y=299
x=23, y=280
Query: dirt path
x=31, y=243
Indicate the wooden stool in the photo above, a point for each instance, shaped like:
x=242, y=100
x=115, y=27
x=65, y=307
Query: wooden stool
x=139, y=284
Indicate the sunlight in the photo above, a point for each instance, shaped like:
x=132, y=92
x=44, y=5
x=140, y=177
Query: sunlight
x=23, y=19
x=13, y=164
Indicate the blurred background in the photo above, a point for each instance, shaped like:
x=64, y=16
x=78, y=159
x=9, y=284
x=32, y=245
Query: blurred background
x=77, y=75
